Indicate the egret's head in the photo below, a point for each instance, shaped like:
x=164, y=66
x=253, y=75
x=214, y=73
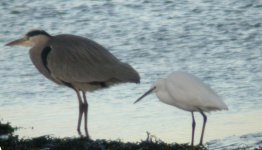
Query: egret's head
x=154, y=89
x=31, y=38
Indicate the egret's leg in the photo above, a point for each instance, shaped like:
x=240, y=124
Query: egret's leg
x=203, y=128
x=85, y=113
x=80, y=114
x=193, y=129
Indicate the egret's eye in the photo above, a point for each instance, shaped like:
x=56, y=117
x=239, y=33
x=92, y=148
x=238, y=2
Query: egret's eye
x=154, y=88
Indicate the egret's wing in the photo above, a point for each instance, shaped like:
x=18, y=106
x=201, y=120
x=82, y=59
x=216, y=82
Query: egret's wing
x=190, y=91
x=180, y=95
x=77, y=59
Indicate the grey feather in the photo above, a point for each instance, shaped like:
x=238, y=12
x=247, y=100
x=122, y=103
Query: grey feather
x=76, y=62
x=78, y=59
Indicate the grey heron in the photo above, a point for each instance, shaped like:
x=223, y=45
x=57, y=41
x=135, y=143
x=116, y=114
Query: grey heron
x=78, y=63
x=189, y=93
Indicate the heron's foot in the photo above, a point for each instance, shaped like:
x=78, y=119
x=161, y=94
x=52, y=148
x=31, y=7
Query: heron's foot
x=87, y=135
x=80, y=133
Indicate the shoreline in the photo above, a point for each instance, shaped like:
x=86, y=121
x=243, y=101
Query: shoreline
x=14, y=142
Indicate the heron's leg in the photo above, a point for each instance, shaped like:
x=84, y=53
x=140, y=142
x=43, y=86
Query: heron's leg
x=80, y=114
x=85, y=107
x=193, y=129
x=203, y=128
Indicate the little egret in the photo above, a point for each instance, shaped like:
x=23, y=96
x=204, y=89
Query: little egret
x=76, y=62
x=188, y=93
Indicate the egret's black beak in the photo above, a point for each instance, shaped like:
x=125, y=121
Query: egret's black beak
x=144, y=95
x=23, y=41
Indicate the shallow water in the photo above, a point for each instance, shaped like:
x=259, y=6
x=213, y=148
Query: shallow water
x=220, y=42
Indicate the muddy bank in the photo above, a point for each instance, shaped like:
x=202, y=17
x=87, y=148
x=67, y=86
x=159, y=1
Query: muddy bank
x=9, y=141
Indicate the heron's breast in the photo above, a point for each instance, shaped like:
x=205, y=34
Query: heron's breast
x=91, y=86
x=86, y=87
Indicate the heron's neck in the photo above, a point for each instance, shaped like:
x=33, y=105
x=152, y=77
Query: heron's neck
x=36, y=58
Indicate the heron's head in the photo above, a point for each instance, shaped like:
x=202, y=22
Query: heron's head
x=31, y=38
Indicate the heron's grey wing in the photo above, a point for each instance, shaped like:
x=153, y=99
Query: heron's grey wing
x=125, y=73
x=77, y=59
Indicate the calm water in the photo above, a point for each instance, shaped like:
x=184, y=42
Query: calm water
x=219, y=42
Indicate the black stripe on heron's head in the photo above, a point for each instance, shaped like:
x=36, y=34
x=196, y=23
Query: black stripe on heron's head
x=37, y=32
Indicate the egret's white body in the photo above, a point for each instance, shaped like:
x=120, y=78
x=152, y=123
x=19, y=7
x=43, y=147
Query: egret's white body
x=187, y=92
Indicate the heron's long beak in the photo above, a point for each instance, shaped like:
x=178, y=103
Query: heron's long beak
x=144, y=95
x=23, y=41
